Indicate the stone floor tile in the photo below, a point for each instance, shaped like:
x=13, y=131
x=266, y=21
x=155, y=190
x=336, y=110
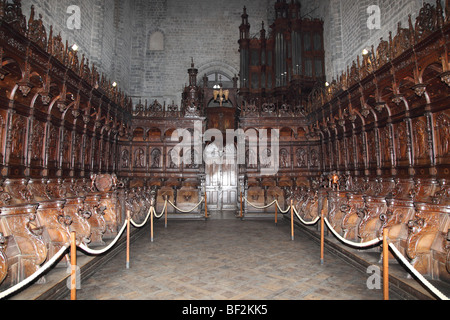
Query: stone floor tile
x=226, y=260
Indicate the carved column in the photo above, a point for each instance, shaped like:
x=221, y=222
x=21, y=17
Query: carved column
x=9, y=128
x=60, y=149
x=364, y=151
x=377, y=148
x=355, y=144
x=115, y=152
x=392, y=152
x=73, y=147
x=431, y=140
x=46, y=147
x=409, y=139
x=29, y=148
x=83, y=152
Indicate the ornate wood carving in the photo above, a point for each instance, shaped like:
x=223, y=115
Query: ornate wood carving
x=423, y=230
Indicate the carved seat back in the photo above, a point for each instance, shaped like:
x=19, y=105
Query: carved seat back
x=275, y=193
x=369, y=226
x=187, y=195
x=39, y=190
x=111, y=214
x=335, y=200
x=255, y=195
x=138, y=203
x=108, y=207
x=285, y=182
x=399, y=212
x=430, y=221
x=74, y=208
x=309, y=208
x=424, y=190
x=187, y=198
x=14, y=273
x=161, y=199
x=56, y=223
x=17, y=191
x=96, y=218
x=21, y=223
x=253, y=182
x=351, y=218
x=440, y=250
x=3, y=258
x=74, y=213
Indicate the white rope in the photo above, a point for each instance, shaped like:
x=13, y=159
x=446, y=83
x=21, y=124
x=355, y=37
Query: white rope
x=98, y=252
x=163, y=211
x=35, y=275
x=265, y=207
x=281, y=210
x=61, y=252
x=350, y=243
x=439, y=294
x=183, y=211
x=311, y=223
x=138, y=226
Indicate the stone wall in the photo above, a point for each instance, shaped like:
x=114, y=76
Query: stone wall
x=205, y=30
x=116, y=35
x=346, y=30
x=104, y=36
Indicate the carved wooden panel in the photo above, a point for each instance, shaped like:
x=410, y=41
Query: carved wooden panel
x=442, y=130
x=421, y=147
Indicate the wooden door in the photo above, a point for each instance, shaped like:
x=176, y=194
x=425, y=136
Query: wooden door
x=221, y=179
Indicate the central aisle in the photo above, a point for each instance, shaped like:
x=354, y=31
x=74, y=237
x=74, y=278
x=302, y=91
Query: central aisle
x=226, y=260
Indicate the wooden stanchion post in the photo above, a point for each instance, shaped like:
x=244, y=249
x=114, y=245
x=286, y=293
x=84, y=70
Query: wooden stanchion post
x=242, y=209
x=322, y=238
x=206, y=206
x=292, y=220
x=73, y=263
x=385, y=265
x=276, y=214
x=128, y=237
x=151, y=222
x=165, y=213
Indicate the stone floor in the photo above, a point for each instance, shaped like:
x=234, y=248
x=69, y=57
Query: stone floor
x=226, y=260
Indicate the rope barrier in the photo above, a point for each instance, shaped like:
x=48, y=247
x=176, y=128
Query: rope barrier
x=189, y=211
x=37, y=274
x=88, y=250
x=269, y=205
x=371, y=243
x=265, y=207
x=163, y=211
x=62, y=251
x=439, y=294
x=106, y=249
x=138, y=226
x=351, y=243
x=281, y=210
x=311, y=223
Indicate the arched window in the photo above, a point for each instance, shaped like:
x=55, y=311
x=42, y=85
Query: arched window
x=156, y=41
x=215, y=78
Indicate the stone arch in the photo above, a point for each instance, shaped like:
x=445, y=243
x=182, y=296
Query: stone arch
x=220, y=68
